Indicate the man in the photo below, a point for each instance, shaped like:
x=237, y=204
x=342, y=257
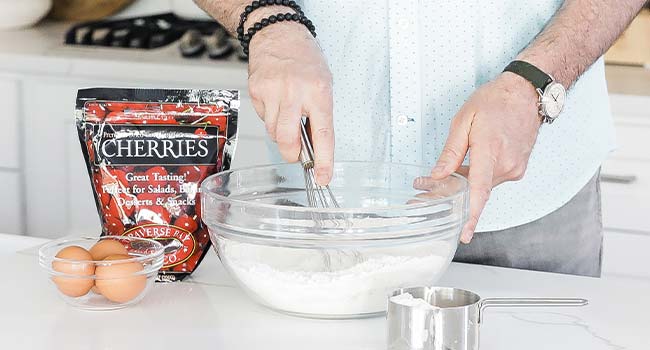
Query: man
x=423, y=82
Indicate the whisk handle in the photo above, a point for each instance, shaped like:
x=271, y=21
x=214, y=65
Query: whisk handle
x=306, y=150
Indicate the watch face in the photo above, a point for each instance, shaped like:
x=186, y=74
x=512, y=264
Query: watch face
x=553, y=100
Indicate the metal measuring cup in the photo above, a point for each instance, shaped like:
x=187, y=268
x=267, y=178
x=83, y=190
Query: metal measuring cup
x=448, y=318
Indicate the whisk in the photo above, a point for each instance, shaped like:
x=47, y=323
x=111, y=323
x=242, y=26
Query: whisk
x=317, y=196
x=322, y=197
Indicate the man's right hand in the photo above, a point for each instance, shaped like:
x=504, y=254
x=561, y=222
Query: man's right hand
x=289, y=78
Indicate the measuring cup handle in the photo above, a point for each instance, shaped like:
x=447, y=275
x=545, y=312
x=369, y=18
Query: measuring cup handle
x=527, y=302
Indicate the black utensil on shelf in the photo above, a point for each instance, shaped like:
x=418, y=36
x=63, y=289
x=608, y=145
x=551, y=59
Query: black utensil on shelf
x=192, y=43
x=219, y=44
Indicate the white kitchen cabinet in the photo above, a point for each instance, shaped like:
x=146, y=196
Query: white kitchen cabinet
x=57, y=192
x=632, y=119
x=11, y=114
x=626, y=254
x=633, y=140
x=625, y=203
x=11, y=219
x=11, y=207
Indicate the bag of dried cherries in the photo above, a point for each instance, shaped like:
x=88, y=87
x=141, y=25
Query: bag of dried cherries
x=147, y=151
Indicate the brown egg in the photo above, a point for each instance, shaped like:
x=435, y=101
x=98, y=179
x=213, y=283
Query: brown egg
x=107, y=247
x=117, y=283
x=74, y=286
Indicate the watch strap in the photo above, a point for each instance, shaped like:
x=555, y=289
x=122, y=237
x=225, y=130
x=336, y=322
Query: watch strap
x=534, y=75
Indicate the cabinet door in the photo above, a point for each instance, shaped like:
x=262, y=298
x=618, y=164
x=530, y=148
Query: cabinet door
x=9, y=142
x=632, y=120
x=625, y=203
x=11, y=209
x=626, y=254
x=11, y=205
x=58, y=193
x=626, y=173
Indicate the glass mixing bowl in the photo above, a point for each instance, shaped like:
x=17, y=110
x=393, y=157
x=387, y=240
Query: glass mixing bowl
x=396, y=228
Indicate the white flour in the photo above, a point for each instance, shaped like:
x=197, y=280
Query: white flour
x=299, y=281
x=408, y=300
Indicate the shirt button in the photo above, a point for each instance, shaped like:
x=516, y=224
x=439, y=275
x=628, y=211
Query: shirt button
x=402, y=120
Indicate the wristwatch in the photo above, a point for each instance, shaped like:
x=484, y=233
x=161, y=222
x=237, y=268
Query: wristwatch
x=552, y=94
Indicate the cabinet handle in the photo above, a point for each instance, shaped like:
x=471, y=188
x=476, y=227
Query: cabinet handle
x=619, y=179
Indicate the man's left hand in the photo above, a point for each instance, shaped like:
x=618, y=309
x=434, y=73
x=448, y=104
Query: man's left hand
x=498, y=125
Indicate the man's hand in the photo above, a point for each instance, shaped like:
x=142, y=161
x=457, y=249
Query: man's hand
x=498, y=125
x=289, y=78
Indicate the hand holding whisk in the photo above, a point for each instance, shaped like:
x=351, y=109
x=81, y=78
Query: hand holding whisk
x=317, y=196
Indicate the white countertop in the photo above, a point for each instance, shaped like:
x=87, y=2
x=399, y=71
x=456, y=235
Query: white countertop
x=210, y=312
x=41, y=50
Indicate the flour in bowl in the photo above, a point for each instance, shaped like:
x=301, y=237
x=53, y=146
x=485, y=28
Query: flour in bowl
x=302, y=281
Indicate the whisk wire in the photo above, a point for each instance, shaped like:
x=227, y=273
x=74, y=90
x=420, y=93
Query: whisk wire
x=317, y=196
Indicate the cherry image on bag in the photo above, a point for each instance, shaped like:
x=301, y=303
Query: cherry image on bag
x=147, y=151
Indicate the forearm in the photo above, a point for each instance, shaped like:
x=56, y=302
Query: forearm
x=580, y=32
x=228, y=12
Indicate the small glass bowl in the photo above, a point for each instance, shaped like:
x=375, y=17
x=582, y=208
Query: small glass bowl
x=131, y=286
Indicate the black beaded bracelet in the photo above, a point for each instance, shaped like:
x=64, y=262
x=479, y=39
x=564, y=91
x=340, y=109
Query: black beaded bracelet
x=280, y=17
x=298, y=16
x=262, y=3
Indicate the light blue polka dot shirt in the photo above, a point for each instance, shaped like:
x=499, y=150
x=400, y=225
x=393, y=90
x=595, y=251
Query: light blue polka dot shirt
x=402, y=69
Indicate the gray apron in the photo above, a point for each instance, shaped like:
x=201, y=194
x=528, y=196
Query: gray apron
x=568, y=240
